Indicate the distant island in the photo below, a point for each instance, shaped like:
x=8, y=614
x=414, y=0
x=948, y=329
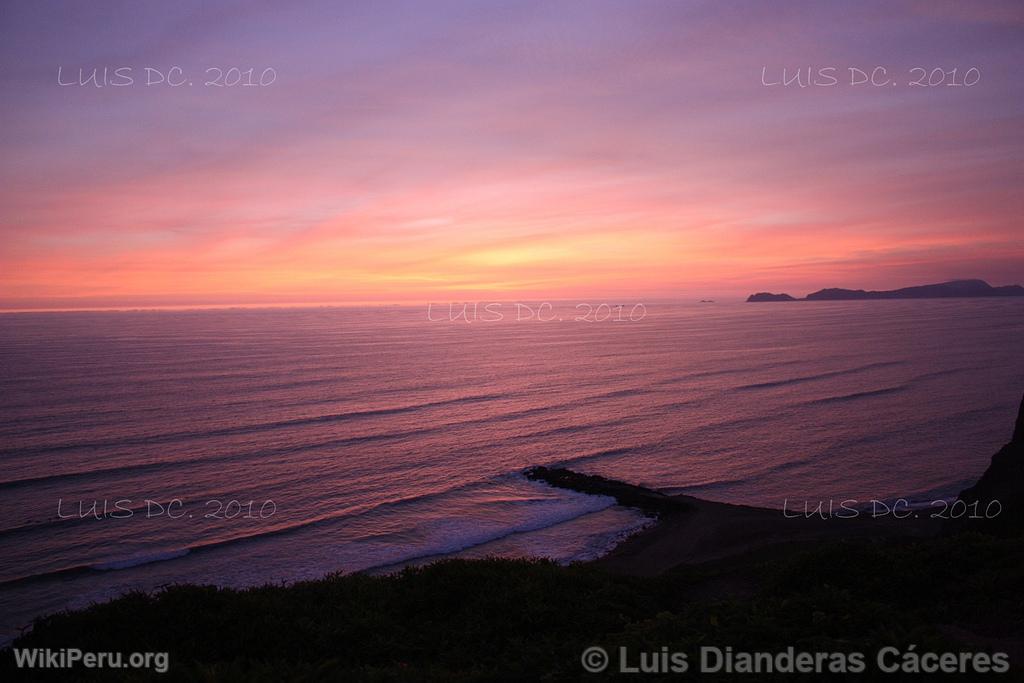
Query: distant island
x=942, y=290
x=768, y=296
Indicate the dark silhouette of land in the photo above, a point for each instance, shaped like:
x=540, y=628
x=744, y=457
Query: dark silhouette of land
x=943, y=290
x=768, y=296
x=1002, y=482
x=647, y=501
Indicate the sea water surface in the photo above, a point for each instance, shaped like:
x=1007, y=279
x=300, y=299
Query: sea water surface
x=243, y=446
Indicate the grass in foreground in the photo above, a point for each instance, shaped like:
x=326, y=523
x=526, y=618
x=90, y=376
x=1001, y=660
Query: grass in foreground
x=530, y=620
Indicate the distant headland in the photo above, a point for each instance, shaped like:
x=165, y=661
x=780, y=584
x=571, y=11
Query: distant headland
x=942, y=290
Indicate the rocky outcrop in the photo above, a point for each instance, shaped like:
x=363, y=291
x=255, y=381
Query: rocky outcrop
x=1003, y=481
x=647, y=501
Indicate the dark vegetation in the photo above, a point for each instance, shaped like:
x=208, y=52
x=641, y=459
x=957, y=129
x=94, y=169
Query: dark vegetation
x=530, y=620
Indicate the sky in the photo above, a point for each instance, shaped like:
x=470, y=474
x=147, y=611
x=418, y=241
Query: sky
x=437, y=151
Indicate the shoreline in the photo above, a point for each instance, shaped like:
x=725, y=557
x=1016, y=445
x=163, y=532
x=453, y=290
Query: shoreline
x=688, y=530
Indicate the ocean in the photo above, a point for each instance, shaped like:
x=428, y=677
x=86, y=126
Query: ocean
x=244, y=446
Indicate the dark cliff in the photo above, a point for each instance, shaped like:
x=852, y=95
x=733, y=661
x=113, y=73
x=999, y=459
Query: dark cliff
x=1003, y=481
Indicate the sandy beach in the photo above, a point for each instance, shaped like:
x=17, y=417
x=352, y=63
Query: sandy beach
x=711, y=531
x=692, y=531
